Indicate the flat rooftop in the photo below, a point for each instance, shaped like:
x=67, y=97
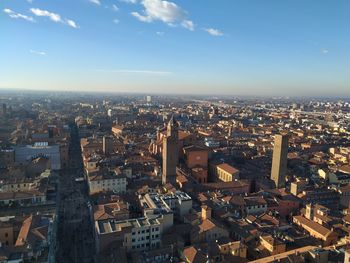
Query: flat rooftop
x=111, y=225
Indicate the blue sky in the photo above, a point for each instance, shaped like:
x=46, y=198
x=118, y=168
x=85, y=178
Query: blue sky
x=235, y=47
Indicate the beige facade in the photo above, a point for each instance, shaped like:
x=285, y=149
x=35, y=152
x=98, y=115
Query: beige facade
x=316, y=230
x=224, y=172
x=273, y=245
x=99, y=184
x=25, y=185
x=236, y=248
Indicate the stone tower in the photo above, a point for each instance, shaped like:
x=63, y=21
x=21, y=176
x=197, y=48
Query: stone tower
x=279, y=160
x=170, y=152
x=107, y=145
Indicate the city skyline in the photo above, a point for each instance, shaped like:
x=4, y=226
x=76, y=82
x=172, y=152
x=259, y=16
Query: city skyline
x=294, y=48
x=113, y=178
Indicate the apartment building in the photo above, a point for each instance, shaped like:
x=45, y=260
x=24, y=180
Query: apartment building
x=107, y=181
x=178, y=204
x=134, y=234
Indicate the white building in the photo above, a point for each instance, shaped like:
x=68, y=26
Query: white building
x=148, y=99
x=144, y=233
x=178, y=204
x=107, y=181
x=133, y=234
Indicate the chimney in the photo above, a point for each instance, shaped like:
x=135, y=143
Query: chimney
x=309, y=213
x=206, y=212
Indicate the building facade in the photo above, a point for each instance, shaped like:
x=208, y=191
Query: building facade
x=107, y=182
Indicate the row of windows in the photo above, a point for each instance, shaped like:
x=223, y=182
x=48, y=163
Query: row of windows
x=254, y=207
x=143, y=231
x=146, y=245
x=155, y=229
x=145, y=238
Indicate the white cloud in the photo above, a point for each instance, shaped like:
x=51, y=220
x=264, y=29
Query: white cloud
x=13, y=14
x=96, y=2
x=40, y=53
x=188, y=24
x=30, y=1
x=214, y=32
x=165, y=11
x=159, y=33
x=116, y=21
x=54, y=17
x=71, y=23
x=38, y=12
x=142, y=18
x=115, y=8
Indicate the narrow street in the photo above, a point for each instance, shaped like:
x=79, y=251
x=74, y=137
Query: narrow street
x=75, y=230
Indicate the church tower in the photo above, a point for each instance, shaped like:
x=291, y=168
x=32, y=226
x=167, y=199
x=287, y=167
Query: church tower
x=170, y=152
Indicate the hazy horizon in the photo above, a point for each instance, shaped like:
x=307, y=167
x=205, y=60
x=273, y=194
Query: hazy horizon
x=205, y=96
x=268, y=48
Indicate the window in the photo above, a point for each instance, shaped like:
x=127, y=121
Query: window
x=6, y=234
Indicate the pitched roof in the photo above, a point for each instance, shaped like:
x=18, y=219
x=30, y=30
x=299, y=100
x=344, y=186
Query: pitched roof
x=193, y=255
x=206, y=225
x=228, y=168
x=314, y=226
x=23, y=233
x=109, y=211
